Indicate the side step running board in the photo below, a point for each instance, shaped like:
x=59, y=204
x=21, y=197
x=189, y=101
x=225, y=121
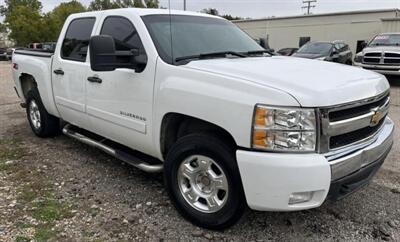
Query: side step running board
x=119, y=154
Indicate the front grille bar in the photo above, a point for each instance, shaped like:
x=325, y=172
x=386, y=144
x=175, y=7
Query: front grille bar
x=378, y=108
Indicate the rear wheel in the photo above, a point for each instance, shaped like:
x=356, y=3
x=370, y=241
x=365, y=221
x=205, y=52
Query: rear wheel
x=42, y=123
x=203, y=181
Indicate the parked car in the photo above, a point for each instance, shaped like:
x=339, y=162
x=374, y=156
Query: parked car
x=50, y=46
x=10, y=52
x=381, y=54
x=287, y=51
x=230, y=128
x=336, y=51
x=3, y=54
x=35, y=46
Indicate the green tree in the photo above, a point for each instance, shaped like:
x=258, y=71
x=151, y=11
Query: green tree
x=111, y=4
x=55, y=19
x=96, y=5
x=24, y=24
x=2, y=28
x=10, y=5
x=211, y=11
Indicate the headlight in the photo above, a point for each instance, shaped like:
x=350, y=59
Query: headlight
x=284, y=129
x=358, y=58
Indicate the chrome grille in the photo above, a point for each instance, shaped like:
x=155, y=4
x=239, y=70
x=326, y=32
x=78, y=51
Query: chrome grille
x=382, y=58
x=354, y=123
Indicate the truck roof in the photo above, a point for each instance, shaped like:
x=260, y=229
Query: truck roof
x=144, y=12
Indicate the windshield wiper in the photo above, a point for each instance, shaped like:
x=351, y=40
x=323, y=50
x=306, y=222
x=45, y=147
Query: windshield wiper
x=256, y=52
x=210, y=55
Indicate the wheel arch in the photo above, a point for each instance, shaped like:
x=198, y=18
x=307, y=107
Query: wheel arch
x=177, y=125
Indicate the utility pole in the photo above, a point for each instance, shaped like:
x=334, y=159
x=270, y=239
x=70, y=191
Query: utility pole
x=309, y=5
x=184, y=5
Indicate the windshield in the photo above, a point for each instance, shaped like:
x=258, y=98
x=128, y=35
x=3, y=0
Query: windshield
x=194, y=35
x=316, y=48
x=386, y=39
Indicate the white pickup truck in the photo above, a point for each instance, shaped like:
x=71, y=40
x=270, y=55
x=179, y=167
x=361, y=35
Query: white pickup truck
x=194, y=97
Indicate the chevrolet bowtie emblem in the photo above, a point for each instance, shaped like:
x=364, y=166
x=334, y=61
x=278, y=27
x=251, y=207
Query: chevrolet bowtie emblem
x=376, y=118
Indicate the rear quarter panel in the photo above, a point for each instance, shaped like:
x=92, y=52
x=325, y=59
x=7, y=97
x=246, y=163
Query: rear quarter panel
x=40, y=68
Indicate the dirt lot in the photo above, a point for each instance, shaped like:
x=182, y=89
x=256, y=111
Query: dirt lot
x=58, y=189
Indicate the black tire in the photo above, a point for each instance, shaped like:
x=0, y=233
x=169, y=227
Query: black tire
x=224, y=156
x=49, y=125
x=349, y=62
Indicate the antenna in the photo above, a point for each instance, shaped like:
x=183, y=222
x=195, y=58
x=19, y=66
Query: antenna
x=309, y=5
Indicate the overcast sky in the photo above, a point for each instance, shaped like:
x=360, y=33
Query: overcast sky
x=262, y=8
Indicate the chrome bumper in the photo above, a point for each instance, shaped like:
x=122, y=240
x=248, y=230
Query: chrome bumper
x=363, y=157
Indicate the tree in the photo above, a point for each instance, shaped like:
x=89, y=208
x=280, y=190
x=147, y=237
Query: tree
x=102, y=5
x=2, y=28
x=211, y=11
x=23, y=20
x=54, y=20
x=24, y=24
x=230, y=17
x=10, y=5
x=111, y=4
x=215, y=12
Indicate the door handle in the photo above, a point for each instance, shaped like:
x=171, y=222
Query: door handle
x=58, y=72
x=94, y=79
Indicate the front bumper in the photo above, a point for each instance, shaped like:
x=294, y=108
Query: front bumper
x=269, y=179
x=383, y=69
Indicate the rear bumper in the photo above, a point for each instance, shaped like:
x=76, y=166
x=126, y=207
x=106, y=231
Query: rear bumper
x=269, y=179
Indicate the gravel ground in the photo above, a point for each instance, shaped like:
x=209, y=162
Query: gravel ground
x=60, y=190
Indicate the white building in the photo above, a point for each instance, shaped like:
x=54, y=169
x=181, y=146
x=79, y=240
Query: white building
x=352, y=27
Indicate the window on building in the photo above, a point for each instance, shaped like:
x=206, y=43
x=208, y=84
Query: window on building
x=304, y=40
x=76, y=40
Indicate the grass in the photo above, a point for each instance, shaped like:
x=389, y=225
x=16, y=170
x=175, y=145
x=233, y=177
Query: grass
x=9, y=150
x=35, y=191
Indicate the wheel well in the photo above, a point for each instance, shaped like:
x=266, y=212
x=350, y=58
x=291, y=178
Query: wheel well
x=175, y=126
x=27, y=83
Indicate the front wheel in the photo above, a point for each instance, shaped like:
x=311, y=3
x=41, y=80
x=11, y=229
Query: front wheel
x=203, y=181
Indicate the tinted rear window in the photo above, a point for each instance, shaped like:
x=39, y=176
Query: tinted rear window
x=76, y=40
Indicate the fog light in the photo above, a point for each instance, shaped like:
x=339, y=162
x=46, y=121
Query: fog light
x=300, y=197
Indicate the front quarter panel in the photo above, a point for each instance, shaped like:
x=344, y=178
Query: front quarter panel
x=224, y=101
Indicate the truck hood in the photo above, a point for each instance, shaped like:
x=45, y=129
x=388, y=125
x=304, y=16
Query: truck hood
x=313, y=83
x=381, y=49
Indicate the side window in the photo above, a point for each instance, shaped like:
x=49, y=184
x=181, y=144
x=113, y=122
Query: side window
x=126, y=38
x=76, y=40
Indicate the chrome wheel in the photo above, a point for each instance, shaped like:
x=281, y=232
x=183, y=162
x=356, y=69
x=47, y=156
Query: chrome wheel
x=203, y=184
x=34, y=115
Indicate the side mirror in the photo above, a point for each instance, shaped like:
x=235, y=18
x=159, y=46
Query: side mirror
x=335, y=54
x=104, y=57
x=363, y=45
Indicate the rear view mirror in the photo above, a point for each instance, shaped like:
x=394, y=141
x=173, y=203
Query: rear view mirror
x=104, y=57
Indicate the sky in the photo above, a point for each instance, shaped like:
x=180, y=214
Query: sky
x=260, y=8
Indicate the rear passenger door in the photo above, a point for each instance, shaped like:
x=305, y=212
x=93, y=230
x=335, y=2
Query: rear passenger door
x=69, y=71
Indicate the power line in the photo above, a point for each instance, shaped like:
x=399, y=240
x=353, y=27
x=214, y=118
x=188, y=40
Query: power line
x=309, y=5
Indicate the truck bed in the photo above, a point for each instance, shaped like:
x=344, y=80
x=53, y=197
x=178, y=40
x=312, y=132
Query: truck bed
x=34, y=52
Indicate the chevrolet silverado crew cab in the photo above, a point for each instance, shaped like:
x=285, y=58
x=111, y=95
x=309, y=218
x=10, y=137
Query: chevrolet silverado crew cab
x=194, y=97
x=381, y=54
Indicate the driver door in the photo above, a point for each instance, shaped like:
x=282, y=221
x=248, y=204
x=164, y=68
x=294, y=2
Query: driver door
x=119, y=102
